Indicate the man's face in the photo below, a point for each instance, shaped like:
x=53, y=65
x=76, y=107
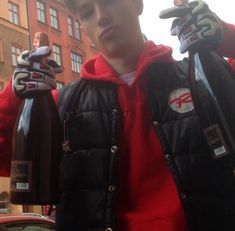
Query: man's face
x=112, y=25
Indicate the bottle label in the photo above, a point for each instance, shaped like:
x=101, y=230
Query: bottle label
x=216, y=141
x=21, y=175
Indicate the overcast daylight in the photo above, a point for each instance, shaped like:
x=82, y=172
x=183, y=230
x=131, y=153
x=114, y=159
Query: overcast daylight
x=158, y=30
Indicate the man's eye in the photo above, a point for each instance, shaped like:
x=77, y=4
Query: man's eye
x=85, y=13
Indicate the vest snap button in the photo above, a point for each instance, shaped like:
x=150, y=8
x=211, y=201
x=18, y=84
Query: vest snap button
x=183, y=196
x=114, y=111
x=108, y=229
x=234, y=171
x=111, y=188
x=114, y=149
x=155, y=123
x=168, y=157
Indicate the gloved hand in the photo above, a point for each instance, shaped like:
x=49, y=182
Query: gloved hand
x=34, y=73
x=195, y=25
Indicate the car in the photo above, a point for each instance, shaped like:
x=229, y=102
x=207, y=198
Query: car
x=22, y=222
x=33, y=214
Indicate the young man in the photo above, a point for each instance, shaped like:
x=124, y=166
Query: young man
x=135, y=161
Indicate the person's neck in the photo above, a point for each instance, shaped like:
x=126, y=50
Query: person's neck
x=126, y=62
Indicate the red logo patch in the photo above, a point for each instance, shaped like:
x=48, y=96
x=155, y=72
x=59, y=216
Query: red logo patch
x=180, y=100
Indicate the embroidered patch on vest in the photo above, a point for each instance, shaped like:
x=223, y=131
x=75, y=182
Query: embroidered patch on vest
x=180, y=100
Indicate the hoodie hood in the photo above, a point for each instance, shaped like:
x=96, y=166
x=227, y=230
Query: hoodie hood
x=99, y=69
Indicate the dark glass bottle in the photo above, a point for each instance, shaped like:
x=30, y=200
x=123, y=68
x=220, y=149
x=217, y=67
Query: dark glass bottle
x=212, y=83
x=36, y=152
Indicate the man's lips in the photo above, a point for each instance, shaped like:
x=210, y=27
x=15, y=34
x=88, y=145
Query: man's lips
x=107, y=33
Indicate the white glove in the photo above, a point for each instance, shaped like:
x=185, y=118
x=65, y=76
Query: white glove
x=195, y=25
x=34, y=73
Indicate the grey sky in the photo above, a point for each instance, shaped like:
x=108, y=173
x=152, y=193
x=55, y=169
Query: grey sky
x=158, y=30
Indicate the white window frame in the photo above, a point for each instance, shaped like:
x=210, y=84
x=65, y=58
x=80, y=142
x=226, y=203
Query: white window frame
x=13, y=13
x=15, y=52
x=59, y=85
x=77, y=33
x=1, y=51
x=1, y=85
x=4, y=200
x=41, y=11
x=54, y=18
x=57, y=54
x=76, y=61
x=70, y=26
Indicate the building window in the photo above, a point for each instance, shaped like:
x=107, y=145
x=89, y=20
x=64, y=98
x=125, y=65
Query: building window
x=15, y=52
x=57, y=54
x=1, y=51
x=4, y=203
x=41, y=12
x=54, y=18
x=77, y=30
x=70, y=26
x=76, y=60
x=1, y=85
x=59, y=85
x=13, y=13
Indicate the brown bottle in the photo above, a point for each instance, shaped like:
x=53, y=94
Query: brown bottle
x=36, y=152
x=212, y=83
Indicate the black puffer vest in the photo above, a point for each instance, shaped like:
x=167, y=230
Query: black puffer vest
x=92, y=117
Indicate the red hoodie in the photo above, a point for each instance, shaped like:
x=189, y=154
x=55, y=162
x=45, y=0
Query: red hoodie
x=9, y=106
x=147, y=196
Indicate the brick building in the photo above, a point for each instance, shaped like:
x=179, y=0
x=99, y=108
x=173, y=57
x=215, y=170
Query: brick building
x=19, y=20
x=70, y=46
x=14, y=38
x=14, y=35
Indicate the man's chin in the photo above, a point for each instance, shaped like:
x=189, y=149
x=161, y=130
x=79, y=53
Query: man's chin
x=114, y=51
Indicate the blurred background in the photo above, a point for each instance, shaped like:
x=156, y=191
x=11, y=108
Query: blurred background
x=158, y=30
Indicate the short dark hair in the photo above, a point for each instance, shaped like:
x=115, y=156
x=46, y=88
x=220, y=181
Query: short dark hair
x=71, y=4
